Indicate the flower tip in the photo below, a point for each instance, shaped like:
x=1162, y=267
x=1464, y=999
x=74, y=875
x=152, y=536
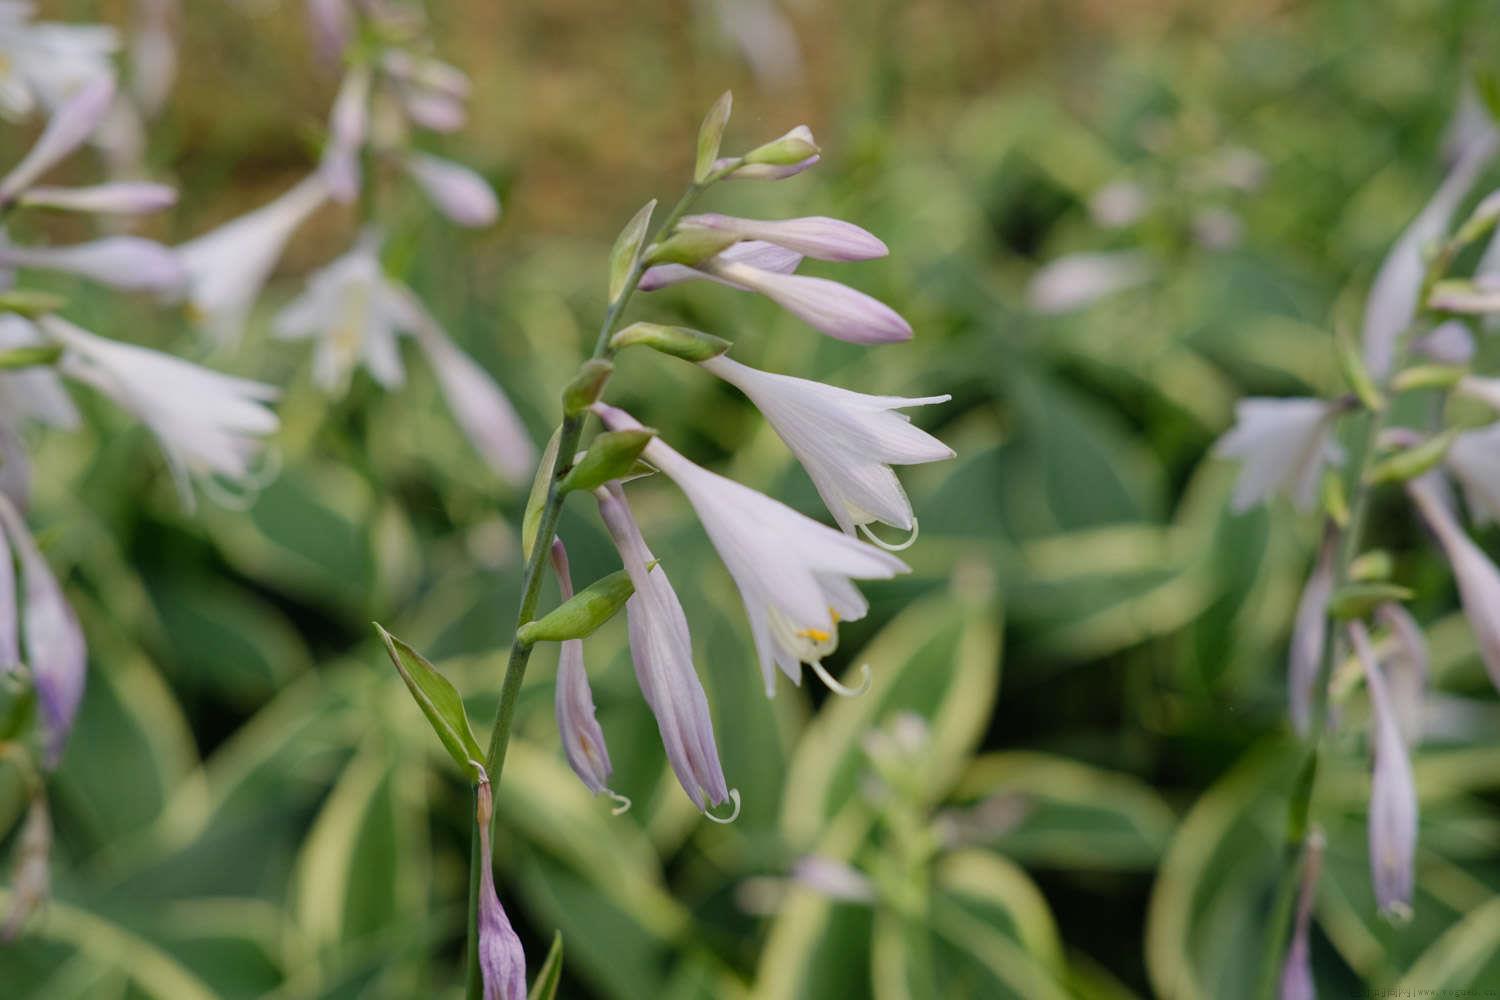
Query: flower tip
x=734, y=796
x=839, y=688
x=622, y=803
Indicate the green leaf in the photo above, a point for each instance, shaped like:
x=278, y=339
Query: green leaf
x=584, y=612
x=537, y=499
x=545, y=985
x=711, y=136
x=677, y=341
x=627, y=250
x=611, y=455
x=440, y=701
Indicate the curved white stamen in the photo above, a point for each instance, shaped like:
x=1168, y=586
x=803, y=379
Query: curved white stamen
x=892, y=546
x=843, y=689
x=622, y=804
x=241, y=496
x=734, y=796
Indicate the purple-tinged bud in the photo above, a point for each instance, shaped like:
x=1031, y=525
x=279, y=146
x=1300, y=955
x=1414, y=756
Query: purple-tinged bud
x=818, y=237
x=752, y=253
x=1393, y=791
x=502, y=962
x=792, y=149
x=69, y=126
x=31, y=882
x=332, y=27
x=1296, y=972
x=583, y=740
x=456, y=191
x=1406, y=669
x=51, y=637
x=126, y=262
x=349, y=123
x=1309, y=633
x=434, y=111
x=1472, y=459
x=119, y=198
x=10, y=623
x=834, y=879
x=765, y=171
x=1448, y=343
x=826, y=306
x=1478, y=580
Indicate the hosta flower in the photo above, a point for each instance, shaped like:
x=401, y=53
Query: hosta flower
x=1309, y=633
x=1448, y=343
x=834, y=879
x=356, y=315
x=1081, y=279
x=1296, y=971
x=208, y=423
x=455, y=190
x=348, y=124
x=35, y=393
x=1393, y=792
x=153, y=53
x=1474, y=460
x=1404, y=664
x=1478, y=580
x=766, y=38
x=332, y=23
x=502, y=962
x=662, y=651
x=432, y=93
x=46, y=63
x=752, y=253
x=118, y=198
x=847, y=441
x=1284, y=445
x=826, y=306
x=583, y=740
x=51, y=638
x=227, y=266
x=68, y=129
x=793, y=573
x=127, y=262
x=817, y=237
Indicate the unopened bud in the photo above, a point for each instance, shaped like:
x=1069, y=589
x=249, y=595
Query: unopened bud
x=790, y=150
x=581, y=614
x=611, y=455
x=678, y=341
x=587, y=386
x=690, y=246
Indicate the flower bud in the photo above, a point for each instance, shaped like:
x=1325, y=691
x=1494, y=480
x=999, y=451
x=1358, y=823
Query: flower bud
x=792, y=149
x=127, y=262
x=815, y=236
x=502, y=962
x=678, y=341
x=120, y=198
x=1393, y=793
x=580, y=615
x=458, y=192
x=1296, y=971
x=1309, y=633
x=741, y=171
x=1478, y=580
x=583, y=740
x=612, y=455
x=70, y=125
x=710, y=135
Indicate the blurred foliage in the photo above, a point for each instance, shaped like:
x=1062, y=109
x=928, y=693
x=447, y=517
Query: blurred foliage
x=253, y=807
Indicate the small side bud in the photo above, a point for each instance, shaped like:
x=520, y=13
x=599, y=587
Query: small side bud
x=611, y=455
x=440, y=702
x=587, y=386
x=678, y=341
x=690, y=247
x=627, y=250
x=1356, y=601
x=581, y=614
x=1412, y=463
x=791, y=149
x=711, y=135
x=30, y=304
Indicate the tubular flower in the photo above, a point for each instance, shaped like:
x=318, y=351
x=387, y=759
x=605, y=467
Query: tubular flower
x=69, y=127
x=827, y=306
x=502, y=962
x=794, y=574
x=1472, y=461
x=662, y=651
x=817, y=237
x=847, y=441
x=1309, y=633
x=1296, y=972
x=1393, y=792
x=127, y=262
x=1478, y=580
x=752, y=253
x=1284, y=445
x=455, y=190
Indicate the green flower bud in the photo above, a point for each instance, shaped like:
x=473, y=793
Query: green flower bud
x=583, y=613
x=791, y=149
x=710, y=135
x=678, y=341
x=627, y=250
x=611, y=455
x=587, y=386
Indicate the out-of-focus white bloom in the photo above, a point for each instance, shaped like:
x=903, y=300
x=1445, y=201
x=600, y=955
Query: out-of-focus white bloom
x=1392, y=303
x=1217, y=228
x=1309, y=633
x=349, y=123
x=793, y=573
x=1474, y=460
x=332, y=24
x=847, y=441
x=153, y=54
x=69, y=127
x=1296, y=972
x=479, y=406
x=1448, y=343
x=119, y=198
x=51, y=638
x=356, y=314
x=227, y=266
x=46, y=63
x=127, y=262
x=455, y=190
x=34, y=393
x=826, y=306
x=1404, y=664
x=1283, y=445
x=662, y=651
x=834, y=879
x=752, y=253
x=1393, y=791
x=1082, y=279
x=207, y=422
x=433, y=93
x=1479, y=296
x=1119, y=204
x=1233, y=167
x=1478, y=580
x=766, y=39
x=818, y=237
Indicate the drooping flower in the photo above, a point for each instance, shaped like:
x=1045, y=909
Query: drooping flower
x=126, y=262
x=50, y=637
x=662, y=651
x=766, y=38
x=46, y=63
x=1393, y=792
x=69, y=127
x=502, y=961
x=332, y=24
x=827, y=306
x=1309, y=633
x=153, y=54
x=226, y=267
x=117, y=198
x=356, y=314
x=1474, y=460
x=1284, y=445
x=1405, y=667
x=1448, y=343
x=432, y=93
x=347, y=126
x=752, y=253
x=583, y=740
x=207, y=422
x=1296, y=971
x=455, y=190
x=847, y=441
x=794, y=574
x=1477, y=578
x=817, y=237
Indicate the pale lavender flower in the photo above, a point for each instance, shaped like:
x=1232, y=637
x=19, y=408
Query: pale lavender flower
x=1448, y=343
x=117, y=198
x=502, y=962
x=826, y=306
x=1478, y=580
x=834, y=879
x=1393, y=792
x=1405, y=667
x=793, y=573
x=433, y=93
x=47, y=63
x=31, y=394
x=662, y=651
x=818, y=237
x=50, y=636
x=1296, y=972
x=1081, y=279
x=69, y=127
x=349, y=122
x=766, y=171
x=1309, y=633
x=583, y=740
x=153, y=54
x=126, y=262
x=1119, y=204
x=227, y=266
x=1474, y=460
x=332, y=25
x=455, y=190
x=1284, y=445
x=752, y=253
x=765, y=37
x=847, y=441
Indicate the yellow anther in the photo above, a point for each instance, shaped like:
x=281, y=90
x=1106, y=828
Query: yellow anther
x=815, y=634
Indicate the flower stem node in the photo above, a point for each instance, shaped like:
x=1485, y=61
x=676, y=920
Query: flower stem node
x=612, y=455
x=581, y=614
x=677, y=341
x=690, y=246
x=587, y=386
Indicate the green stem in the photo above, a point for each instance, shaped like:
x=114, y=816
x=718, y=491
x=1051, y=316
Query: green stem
x=569, y=434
